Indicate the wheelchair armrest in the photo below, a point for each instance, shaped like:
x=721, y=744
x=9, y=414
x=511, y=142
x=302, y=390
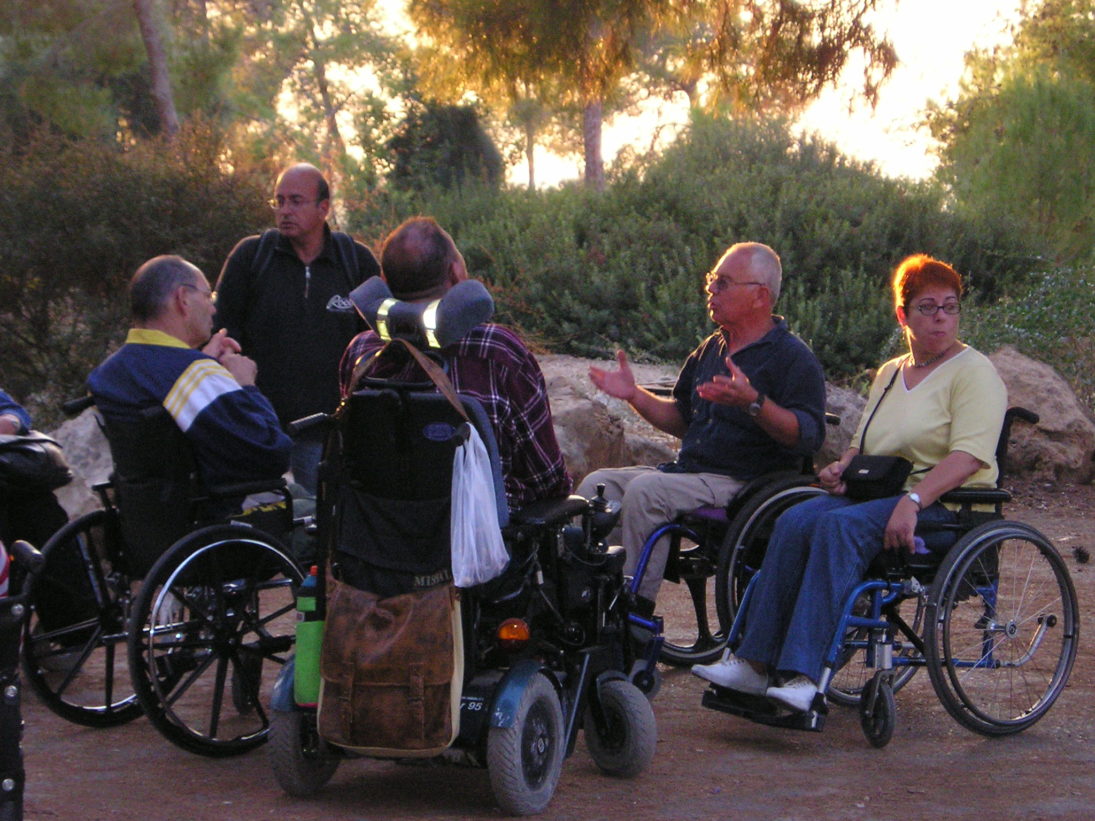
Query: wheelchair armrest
x=549, y=511
x=976, y=496
x=246, y=488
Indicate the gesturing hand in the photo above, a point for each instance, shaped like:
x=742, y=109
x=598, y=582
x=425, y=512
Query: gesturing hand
x=734, y=389
x=619, y=383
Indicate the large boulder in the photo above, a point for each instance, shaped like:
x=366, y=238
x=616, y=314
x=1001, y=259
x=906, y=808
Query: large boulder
x=594, y=430
x=1061, y=446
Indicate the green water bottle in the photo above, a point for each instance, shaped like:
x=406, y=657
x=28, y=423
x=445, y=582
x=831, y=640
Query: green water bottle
x=309, y=641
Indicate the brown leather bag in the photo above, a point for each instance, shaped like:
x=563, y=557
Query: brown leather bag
x=392, y=670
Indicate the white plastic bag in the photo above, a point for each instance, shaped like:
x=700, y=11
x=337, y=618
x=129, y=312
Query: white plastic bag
x=478, y=554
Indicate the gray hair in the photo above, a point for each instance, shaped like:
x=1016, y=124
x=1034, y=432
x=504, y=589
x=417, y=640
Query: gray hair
x=764, y=265
x=151, y=287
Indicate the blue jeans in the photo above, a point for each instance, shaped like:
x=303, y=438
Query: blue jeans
x=818, y=553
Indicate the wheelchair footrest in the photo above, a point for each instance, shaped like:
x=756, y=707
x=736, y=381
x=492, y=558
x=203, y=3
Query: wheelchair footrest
x=760, y=710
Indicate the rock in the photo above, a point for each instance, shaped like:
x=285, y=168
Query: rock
x=848, y=406
x=1061, y=446
x=89, y=456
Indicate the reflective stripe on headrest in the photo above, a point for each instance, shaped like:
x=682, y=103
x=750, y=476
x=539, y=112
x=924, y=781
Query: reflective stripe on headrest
x=429, y=322
x=382, y=318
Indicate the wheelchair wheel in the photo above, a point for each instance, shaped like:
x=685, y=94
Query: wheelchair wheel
x=691, y=628
x=212, y=624
x=1002, y=626
x=878, y=711
x=747, y=539
x=300, y=760
x=74, y=643
x=525, y=759
x=853, y=674
x=622, y=742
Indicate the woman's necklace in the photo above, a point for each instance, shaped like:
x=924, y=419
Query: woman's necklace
x=931, y=360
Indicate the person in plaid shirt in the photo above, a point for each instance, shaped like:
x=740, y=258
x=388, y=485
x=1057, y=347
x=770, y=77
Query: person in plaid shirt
x=420, y=262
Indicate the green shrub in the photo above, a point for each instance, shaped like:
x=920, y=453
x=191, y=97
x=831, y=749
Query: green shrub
x=76, y=219
x=1049, y=321
x=585, y=273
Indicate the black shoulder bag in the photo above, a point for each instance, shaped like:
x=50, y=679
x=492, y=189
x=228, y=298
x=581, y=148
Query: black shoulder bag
x=875, y=477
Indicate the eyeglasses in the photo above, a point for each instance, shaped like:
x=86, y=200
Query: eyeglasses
x=294, y=202
x=719, y=284
x=208, y=294
x=931, y=309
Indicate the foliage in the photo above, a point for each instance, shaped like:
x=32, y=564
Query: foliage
x=444, y=146
x=755, y=55
x=1019, y=140
x=1050, y=320
x=584, y=274
x=76, y=219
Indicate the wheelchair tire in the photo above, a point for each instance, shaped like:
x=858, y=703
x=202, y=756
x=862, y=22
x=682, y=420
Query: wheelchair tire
x=301, y=764
x=80, y=669
x=691, y=630
x=524, y=760
x=747, y=537
x=852, y=674
x=1001, y=629
x=622, y=743
x=216, y=606
x=878, y=711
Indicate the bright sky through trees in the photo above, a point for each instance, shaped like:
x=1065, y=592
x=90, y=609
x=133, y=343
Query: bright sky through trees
x=931, y=38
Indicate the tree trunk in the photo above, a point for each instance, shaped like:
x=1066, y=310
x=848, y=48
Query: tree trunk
x=592, y=116
x=157, y=64
x=530, y=145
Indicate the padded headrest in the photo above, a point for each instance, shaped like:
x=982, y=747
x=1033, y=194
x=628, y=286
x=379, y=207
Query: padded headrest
x=434, y=324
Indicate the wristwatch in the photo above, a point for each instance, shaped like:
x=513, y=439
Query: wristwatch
x=754, y=406
x=912, y=494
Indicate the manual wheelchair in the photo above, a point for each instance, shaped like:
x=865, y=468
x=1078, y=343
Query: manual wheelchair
x=713, y=552
x=531, y=657
x=990, y=611
x=177, y=605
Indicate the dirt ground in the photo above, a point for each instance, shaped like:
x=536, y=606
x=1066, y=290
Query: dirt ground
x=708, y=764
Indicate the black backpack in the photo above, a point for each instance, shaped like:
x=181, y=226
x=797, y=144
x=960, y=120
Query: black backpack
x=345, y=252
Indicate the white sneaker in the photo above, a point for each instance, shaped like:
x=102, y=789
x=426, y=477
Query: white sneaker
x=733, y=674
x=797, y=694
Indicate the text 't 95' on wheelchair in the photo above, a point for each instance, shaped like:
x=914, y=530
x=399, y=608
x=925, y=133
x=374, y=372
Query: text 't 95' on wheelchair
x=167, y=601
x=502, y=674
x=994, y=619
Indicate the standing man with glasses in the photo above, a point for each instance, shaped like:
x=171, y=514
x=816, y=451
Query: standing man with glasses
x=749, y=400
x=284, y=295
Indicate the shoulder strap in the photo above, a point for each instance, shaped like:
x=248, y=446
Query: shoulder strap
x=863, y=436
x=261, y=261
x=346, y=254
x=432, y=369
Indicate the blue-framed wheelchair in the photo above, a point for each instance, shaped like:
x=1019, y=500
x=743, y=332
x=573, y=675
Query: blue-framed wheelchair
x=713, y=552
x=167, y=601
x=503, y=674
x=994, y=619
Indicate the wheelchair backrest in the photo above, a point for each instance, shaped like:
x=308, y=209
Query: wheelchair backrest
x=393, y=473
x=155, y=480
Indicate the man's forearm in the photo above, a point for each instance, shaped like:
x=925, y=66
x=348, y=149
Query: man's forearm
x=659, y=412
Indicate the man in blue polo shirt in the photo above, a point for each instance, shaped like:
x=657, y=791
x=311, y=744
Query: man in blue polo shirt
x=749, y=400
x=210, y=393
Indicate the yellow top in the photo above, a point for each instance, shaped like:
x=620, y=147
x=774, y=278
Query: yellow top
x=958, y=406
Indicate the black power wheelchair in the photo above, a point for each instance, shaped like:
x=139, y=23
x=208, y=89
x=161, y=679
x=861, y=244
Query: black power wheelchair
x=532, y=656
x=990, y=611
x=176, y=605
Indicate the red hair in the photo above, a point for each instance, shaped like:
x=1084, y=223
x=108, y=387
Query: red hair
x=919, y=271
